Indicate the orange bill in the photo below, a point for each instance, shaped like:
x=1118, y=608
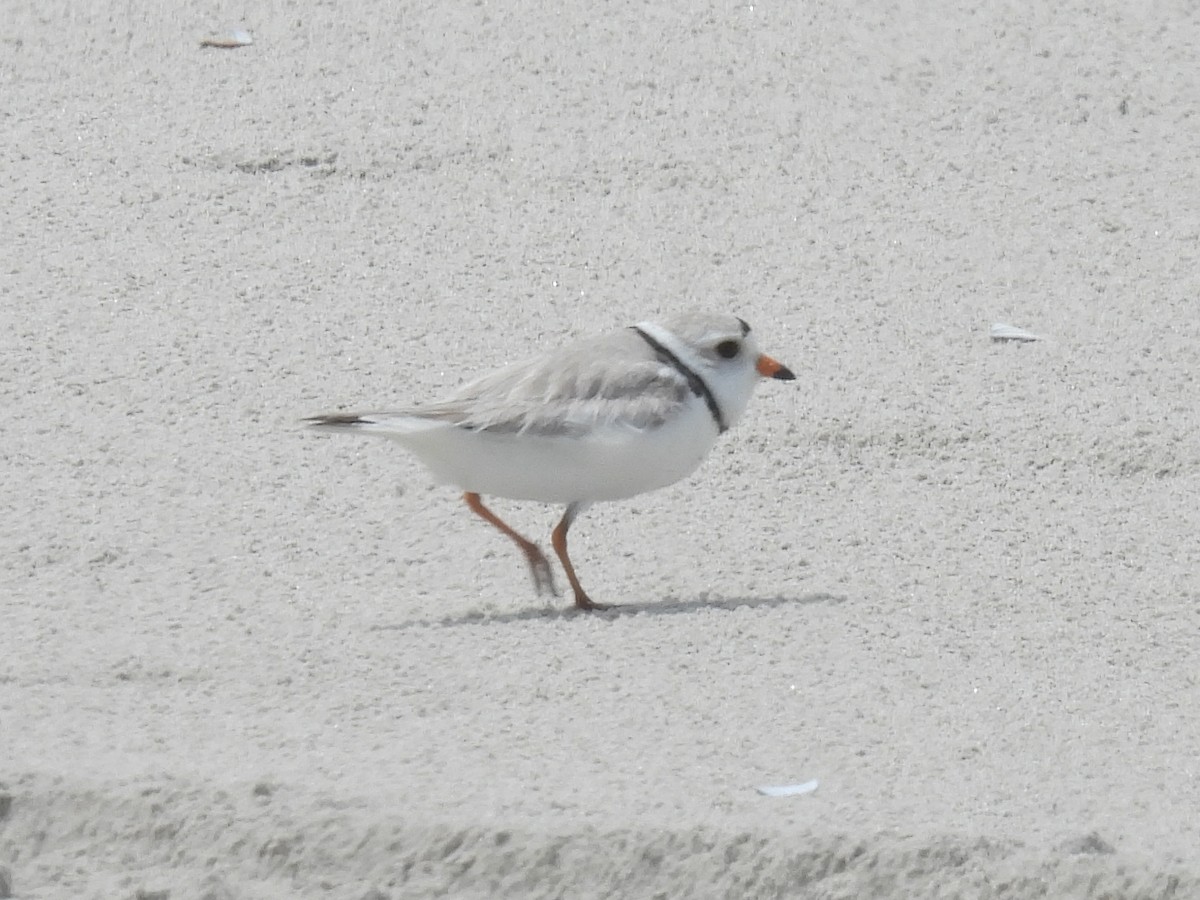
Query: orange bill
x=773, y=368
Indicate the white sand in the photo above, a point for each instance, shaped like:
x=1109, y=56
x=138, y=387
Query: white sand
x=955, y=581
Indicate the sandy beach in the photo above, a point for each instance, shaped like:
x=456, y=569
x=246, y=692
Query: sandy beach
x=953, y=580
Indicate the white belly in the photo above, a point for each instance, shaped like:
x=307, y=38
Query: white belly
x=607, y=465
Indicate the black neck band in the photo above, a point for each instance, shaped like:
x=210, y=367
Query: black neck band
x=695, y=382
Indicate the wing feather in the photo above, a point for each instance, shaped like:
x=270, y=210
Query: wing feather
x=606, y=381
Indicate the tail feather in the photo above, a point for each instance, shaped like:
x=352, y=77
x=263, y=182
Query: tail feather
x=336, y=420
x=384, y=424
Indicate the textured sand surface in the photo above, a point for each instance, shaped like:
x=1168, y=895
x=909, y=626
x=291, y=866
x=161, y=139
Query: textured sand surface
x=957, y=582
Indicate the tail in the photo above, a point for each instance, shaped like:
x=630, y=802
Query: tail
x=395, y=425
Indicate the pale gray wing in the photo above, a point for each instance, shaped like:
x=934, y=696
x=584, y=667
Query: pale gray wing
x=610, y=380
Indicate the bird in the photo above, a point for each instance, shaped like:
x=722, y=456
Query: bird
x=605, y=418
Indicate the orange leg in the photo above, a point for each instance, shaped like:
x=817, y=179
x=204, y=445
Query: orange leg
x=559, y=539
x=539, y=566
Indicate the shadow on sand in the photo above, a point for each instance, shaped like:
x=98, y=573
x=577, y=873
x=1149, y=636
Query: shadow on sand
x=644, y=608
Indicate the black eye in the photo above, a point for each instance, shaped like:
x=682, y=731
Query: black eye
x=728, y=349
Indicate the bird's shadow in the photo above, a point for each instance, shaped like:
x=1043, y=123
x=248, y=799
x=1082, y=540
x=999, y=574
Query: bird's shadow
x=642, y=608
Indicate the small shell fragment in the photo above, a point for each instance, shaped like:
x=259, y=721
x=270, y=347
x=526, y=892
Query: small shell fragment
x=229, y=41
x=1002, y=332
x=787, y=790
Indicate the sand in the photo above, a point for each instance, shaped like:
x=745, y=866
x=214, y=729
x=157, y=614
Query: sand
x=954, y=581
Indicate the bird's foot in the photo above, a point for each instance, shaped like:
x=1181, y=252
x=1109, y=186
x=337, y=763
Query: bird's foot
x=587, y=604
x=539, y=568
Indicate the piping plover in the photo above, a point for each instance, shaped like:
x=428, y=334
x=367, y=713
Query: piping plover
x=605, y=418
